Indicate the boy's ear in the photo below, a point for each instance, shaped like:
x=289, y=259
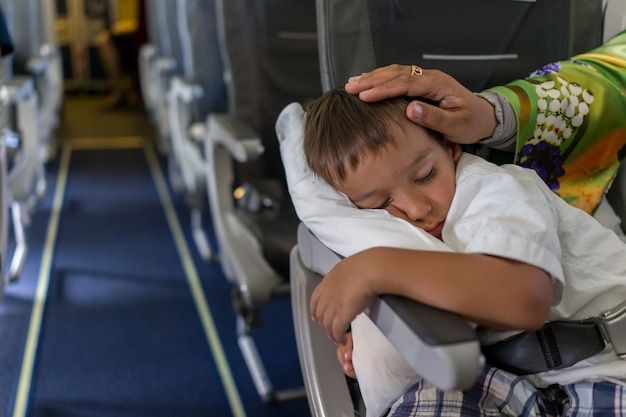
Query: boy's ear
x=455, y=150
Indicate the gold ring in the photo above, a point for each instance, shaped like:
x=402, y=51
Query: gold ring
x=415, y=70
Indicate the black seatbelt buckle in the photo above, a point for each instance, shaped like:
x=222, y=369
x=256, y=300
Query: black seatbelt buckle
x=612, y=324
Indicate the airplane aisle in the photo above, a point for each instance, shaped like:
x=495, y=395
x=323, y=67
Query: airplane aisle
x=128, y=321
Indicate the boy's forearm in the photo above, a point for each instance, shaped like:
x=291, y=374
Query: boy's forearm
x=488, y=290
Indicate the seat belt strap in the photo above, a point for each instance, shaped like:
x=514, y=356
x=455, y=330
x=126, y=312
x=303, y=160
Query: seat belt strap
x=556, y=345
x=559, y=344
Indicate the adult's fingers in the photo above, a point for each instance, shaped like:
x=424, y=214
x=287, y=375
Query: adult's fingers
x=449, y=123
x=381, y=83
x=396, y=80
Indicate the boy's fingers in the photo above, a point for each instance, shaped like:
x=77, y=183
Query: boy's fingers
x=336, y=332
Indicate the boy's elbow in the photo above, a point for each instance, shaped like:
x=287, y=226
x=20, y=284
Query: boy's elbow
x=539, y=302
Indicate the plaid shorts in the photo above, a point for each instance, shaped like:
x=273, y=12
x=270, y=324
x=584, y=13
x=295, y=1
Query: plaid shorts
x=499, y=393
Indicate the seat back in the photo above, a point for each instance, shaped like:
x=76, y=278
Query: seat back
x=37, y=55
x=4, y=212
x=169, y=23
x=27, y=35
x=4, y=197
x=158, y=61
x=194, y=91
x=202, y=61
x=491, y=43
x=270, y=60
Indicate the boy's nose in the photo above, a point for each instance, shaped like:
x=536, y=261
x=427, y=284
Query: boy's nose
x=414, y=207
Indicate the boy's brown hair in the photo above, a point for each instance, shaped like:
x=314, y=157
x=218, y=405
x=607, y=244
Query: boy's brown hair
x=341, y=129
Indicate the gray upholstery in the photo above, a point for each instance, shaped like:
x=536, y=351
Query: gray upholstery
x=205, y=68
x=27, y=36
x=158, y=61
x=4, y=213
x=271, y=63
x=37, y=55
x=5, y=74
x=270, y=57
x=31, y=92
x=487, y=44
x=194, y=91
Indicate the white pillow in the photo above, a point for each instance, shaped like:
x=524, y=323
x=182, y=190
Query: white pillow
x=324, y=210
x=382, y=373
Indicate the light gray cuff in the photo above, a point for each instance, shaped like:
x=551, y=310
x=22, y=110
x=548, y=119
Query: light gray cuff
x=505, y=134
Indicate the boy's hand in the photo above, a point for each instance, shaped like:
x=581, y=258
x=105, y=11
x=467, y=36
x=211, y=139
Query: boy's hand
x=344, y=356
x=343, y=294
x=460, y=115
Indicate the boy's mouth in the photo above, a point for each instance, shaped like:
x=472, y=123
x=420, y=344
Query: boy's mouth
x=436, y=230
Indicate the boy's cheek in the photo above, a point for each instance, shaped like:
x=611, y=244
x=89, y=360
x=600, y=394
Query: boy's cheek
x=397, y=213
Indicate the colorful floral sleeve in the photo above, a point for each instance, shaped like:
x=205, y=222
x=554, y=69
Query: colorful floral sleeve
x=571, y=118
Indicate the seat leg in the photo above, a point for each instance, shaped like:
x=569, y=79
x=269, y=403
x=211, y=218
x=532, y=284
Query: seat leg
x=21, y=249
x=257, y=369
x=199, y=236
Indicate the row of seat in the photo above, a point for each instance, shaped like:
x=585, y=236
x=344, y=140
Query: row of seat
x=216, y=75
x=31, y=92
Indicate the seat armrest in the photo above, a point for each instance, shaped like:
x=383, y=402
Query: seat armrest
x=242, y=142
x=327, y=392
x=165, y=65
x=185, y=89
x=439, y=345
x=17, y=89
x=37, y=65
x=148, y=52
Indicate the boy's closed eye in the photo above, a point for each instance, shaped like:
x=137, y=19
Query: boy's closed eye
x=422, y=179
x=431, y=174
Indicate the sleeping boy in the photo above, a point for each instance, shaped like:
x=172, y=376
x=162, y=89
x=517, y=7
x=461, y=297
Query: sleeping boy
x=511, y=256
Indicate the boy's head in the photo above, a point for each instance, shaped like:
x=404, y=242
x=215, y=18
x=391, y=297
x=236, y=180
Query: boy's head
x=372, y=153
x=341, y=129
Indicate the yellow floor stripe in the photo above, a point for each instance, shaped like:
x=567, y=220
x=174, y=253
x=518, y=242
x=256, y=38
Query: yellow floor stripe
x=116, y=142
x=41, y=291
x=191, y=273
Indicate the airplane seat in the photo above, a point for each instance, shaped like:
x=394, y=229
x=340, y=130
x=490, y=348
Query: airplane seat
x=358, y=36
x=4, y=207
x=196, y=91
x=25, y=166
x=159, y=60
x=270, y=58
x=156, y=60
x=148, y=53
x=37, y=55
x=4, y=186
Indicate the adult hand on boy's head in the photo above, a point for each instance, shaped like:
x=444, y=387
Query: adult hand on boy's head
x=459, y=114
